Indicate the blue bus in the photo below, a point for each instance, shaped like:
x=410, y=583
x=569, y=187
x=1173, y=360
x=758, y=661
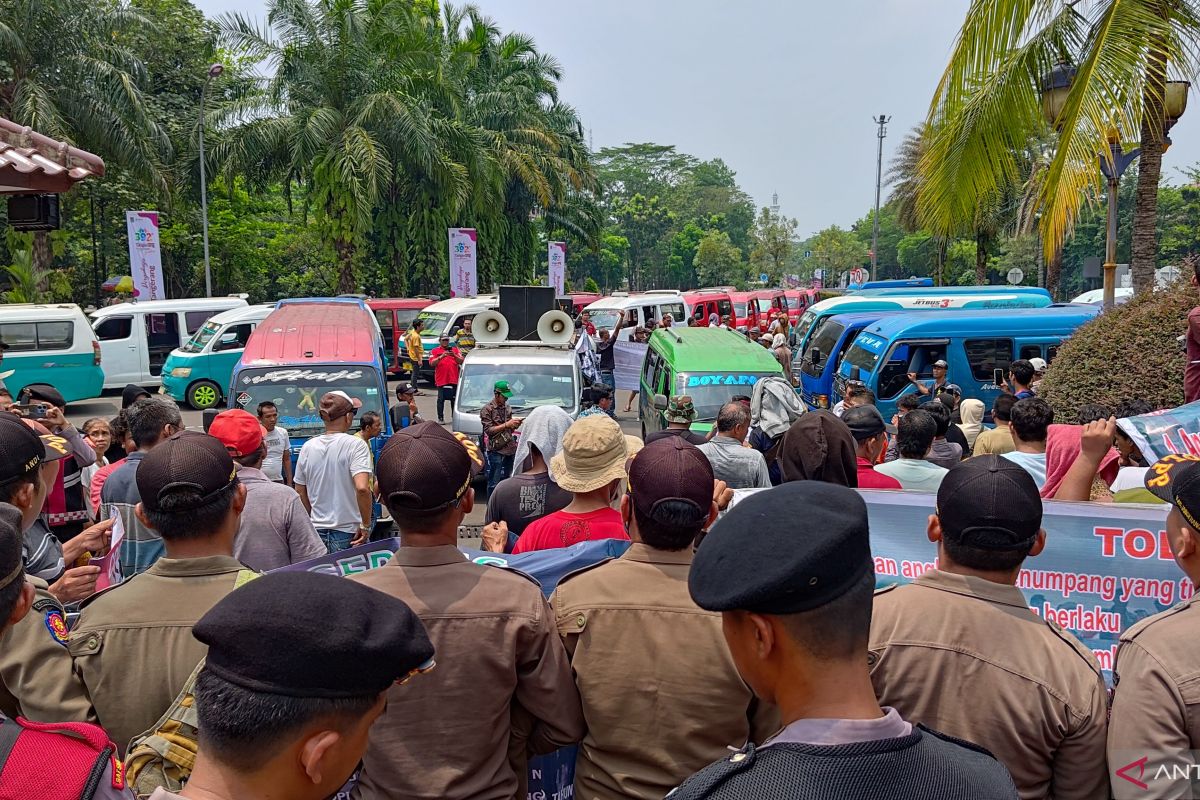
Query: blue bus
x=829, y=341
x=898, y=283
x=979, y=346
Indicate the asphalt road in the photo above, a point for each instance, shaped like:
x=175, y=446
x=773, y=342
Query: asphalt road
x=107, y=406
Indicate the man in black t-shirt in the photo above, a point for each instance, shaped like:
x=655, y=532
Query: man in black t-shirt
x=680, y=415
x=607, y=356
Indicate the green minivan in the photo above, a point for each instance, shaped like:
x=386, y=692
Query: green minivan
x=198, y=373
x=712, y=365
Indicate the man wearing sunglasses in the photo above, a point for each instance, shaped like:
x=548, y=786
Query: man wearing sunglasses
x=333, y=476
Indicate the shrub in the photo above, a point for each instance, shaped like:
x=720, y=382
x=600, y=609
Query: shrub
x=1129, y=352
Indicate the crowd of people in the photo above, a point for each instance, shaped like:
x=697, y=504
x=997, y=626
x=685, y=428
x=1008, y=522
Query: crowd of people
x=737, y=648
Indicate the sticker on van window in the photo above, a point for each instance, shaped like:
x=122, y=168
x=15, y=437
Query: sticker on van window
x=722, y=380
x=243, y=398
x=312, y=376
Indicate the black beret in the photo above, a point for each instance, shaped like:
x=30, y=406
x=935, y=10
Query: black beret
x=307, y=634
x=784, y=550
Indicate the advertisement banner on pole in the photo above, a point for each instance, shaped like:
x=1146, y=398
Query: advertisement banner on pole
x=1164, y=433
x=558, y=267
x=145, y=260
x=464, y=247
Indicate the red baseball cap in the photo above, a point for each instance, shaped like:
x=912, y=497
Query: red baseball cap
x=239, y=431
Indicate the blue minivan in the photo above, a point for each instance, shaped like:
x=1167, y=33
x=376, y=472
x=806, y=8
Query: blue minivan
x=830, y=339
x=977, y=345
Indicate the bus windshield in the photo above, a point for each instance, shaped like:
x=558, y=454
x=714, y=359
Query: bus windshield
x=532, y=385
x=297, y=391
x=825, y=338
x=711, y=390
x=201, y=337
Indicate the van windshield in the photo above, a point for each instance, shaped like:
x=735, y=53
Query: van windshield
x=739, y=309
x=605, y=318
x=825, y=338
x=806, y=321
x=297, y=391
x=532, y=385
x=434, y=323
x=201, y=337
x=861, y=357
x=711, y=390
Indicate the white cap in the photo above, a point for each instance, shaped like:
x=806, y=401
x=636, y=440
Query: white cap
x=1039, y=364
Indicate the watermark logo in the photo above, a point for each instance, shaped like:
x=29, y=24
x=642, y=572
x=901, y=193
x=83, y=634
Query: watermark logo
x=1164, y=774
x=1127, y=772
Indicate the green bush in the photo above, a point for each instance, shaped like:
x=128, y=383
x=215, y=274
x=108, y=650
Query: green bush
x=1130, y=352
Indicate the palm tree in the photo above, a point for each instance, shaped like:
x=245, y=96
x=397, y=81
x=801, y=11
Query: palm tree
x=68, y=75
x=987, y=106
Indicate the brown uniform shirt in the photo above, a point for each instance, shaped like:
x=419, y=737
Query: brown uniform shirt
x=133, y=646
x=967, y=657
x=1156, y=700
x=37, y=681
x=447, y=735
x=661, y=697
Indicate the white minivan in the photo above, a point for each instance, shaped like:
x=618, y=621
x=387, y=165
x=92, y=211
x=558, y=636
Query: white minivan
x=641, y=308
x=136, y=338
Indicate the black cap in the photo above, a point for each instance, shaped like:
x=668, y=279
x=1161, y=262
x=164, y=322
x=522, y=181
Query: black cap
x=405, y=387
x=131, y=394
x=991, y=503
x=864, y=422
x=11, y=532
x=186, y=460
x=767, y=557
x=424, y=467
x=671, y=469
x=21, y=450
x=1175, y=479
x=261, y=637
x=44, y=393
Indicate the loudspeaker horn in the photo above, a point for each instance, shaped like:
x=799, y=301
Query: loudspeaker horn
x=490, y=327
x=555, y=328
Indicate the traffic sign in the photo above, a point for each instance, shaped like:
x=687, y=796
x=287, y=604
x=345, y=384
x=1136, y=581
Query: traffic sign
x=1016, y=275
x=808, y=253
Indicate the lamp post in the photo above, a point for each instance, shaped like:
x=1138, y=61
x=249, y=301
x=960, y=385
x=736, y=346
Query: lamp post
x=1055, y=89
x=882, y=122
x=213, y=71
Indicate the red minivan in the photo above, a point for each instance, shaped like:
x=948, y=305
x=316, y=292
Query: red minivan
x=798, y=301
x=745, y=310
x=771, y=301
x=395, y=314
x=703, y=303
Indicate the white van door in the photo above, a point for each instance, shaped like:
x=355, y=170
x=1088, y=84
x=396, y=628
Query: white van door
x=122, y=349
x=161, y=337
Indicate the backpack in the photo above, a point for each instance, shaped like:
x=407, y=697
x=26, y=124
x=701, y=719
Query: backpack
x=60, y=759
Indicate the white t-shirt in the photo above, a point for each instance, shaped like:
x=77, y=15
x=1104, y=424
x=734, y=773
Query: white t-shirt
x=326, y=468
x=278, y=444
x=1129, y=478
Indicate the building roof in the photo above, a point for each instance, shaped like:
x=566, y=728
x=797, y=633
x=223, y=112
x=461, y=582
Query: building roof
x=31, y=163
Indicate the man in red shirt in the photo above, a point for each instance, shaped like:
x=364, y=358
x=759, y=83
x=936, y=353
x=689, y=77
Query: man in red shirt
x=591, y=466
x=1191, y=374
x=446, y=362
x=870, y=434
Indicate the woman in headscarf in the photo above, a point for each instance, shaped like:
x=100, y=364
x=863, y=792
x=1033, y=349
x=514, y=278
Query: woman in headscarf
x=783, y=354
x=819, y=447
x=531, y=492
x=1063, y=445
x=713, y=320
x=971, y=412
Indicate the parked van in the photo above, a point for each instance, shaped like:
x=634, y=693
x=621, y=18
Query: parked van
x=831, y=337
x=712, y=365
x=136, y=338
x=581, y=300
x=746, y=312
x=914, y=300
x=702, y=303
x=394, y=315
x=447, y=317
x=641, y=308
x=198, y=373
x=798, y=301
x=979, y=346
x=49, y=343
x=771, y=301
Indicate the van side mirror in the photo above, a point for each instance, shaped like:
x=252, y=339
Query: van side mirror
x=814, y=355
x=660, y=402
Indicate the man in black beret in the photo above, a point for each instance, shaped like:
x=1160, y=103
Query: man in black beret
x=284, y=707
x=504, y=684
x=959, y=649
x=795, y=603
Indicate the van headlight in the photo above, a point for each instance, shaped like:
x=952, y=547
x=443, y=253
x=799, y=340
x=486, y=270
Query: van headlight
x=822, y=400
x=181, y=372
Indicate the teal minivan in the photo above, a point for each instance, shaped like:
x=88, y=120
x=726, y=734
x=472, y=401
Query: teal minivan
x=49, y=343
x=198, y=373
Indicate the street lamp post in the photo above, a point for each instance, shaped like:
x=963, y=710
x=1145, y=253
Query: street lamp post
x=213, y=71
x=882, y=122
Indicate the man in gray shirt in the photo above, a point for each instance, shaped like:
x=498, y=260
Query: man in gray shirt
x=274, y=529
x=739, y=466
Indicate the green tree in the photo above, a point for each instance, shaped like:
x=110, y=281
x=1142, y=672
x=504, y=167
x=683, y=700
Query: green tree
x=772, y=236
x=837, y=251
x=719, y=261
x=645, y=223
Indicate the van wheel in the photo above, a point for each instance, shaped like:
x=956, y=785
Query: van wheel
x=203, y=394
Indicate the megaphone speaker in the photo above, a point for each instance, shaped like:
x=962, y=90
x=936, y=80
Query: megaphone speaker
x=555, y=328
x=490, y=327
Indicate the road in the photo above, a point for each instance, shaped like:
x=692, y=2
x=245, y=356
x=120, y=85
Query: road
x=108, y=405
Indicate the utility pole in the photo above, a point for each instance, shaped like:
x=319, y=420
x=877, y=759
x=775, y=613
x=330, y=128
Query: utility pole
x=213, y=71
x=882, y=122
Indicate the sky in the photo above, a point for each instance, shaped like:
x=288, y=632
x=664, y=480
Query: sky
x=785, y=91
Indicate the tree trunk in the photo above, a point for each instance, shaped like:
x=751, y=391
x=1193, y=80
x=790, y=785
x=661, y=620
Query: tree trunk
x=41, y=257
x=981, y=259
x=1144, y=256
x=345, y=256
x=1054, y=273
x=940, y=261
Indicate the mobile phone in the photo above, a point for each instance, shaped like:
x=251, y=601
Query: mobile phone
x=31, y=410
x=998, y=377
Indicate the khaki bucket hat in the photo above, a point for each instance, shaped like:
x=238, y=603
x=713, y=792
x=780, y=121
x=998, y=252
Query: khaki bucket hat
x=593, y=454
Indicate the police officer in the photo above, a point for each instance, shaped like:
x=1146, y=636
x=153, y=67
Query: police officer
x=960, y=651
x=630, y=623
x=284, y=706
x=36, y=678
x=133, y=645
x=1156, y=705
x=795, y=603
x=500, y=655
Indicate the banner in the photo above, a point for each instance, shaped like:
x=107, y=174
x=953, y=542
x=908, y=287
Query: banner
x=627, y=362
x=589, y=358
x=558, y=267
x=464, y=246
x=1163, y=433
x=1105, y=566
x=145, y=260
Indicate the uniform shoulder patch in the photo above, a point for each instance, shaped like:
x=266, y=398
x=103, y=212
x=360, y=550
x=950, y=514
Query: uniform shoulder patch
x=46, y=604
x=56, y=624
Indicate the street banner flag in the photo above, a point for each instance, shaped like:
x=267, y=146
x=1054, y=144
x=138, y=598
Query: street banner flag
x=145, y=260
x=464, y=250
x=558, y=267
